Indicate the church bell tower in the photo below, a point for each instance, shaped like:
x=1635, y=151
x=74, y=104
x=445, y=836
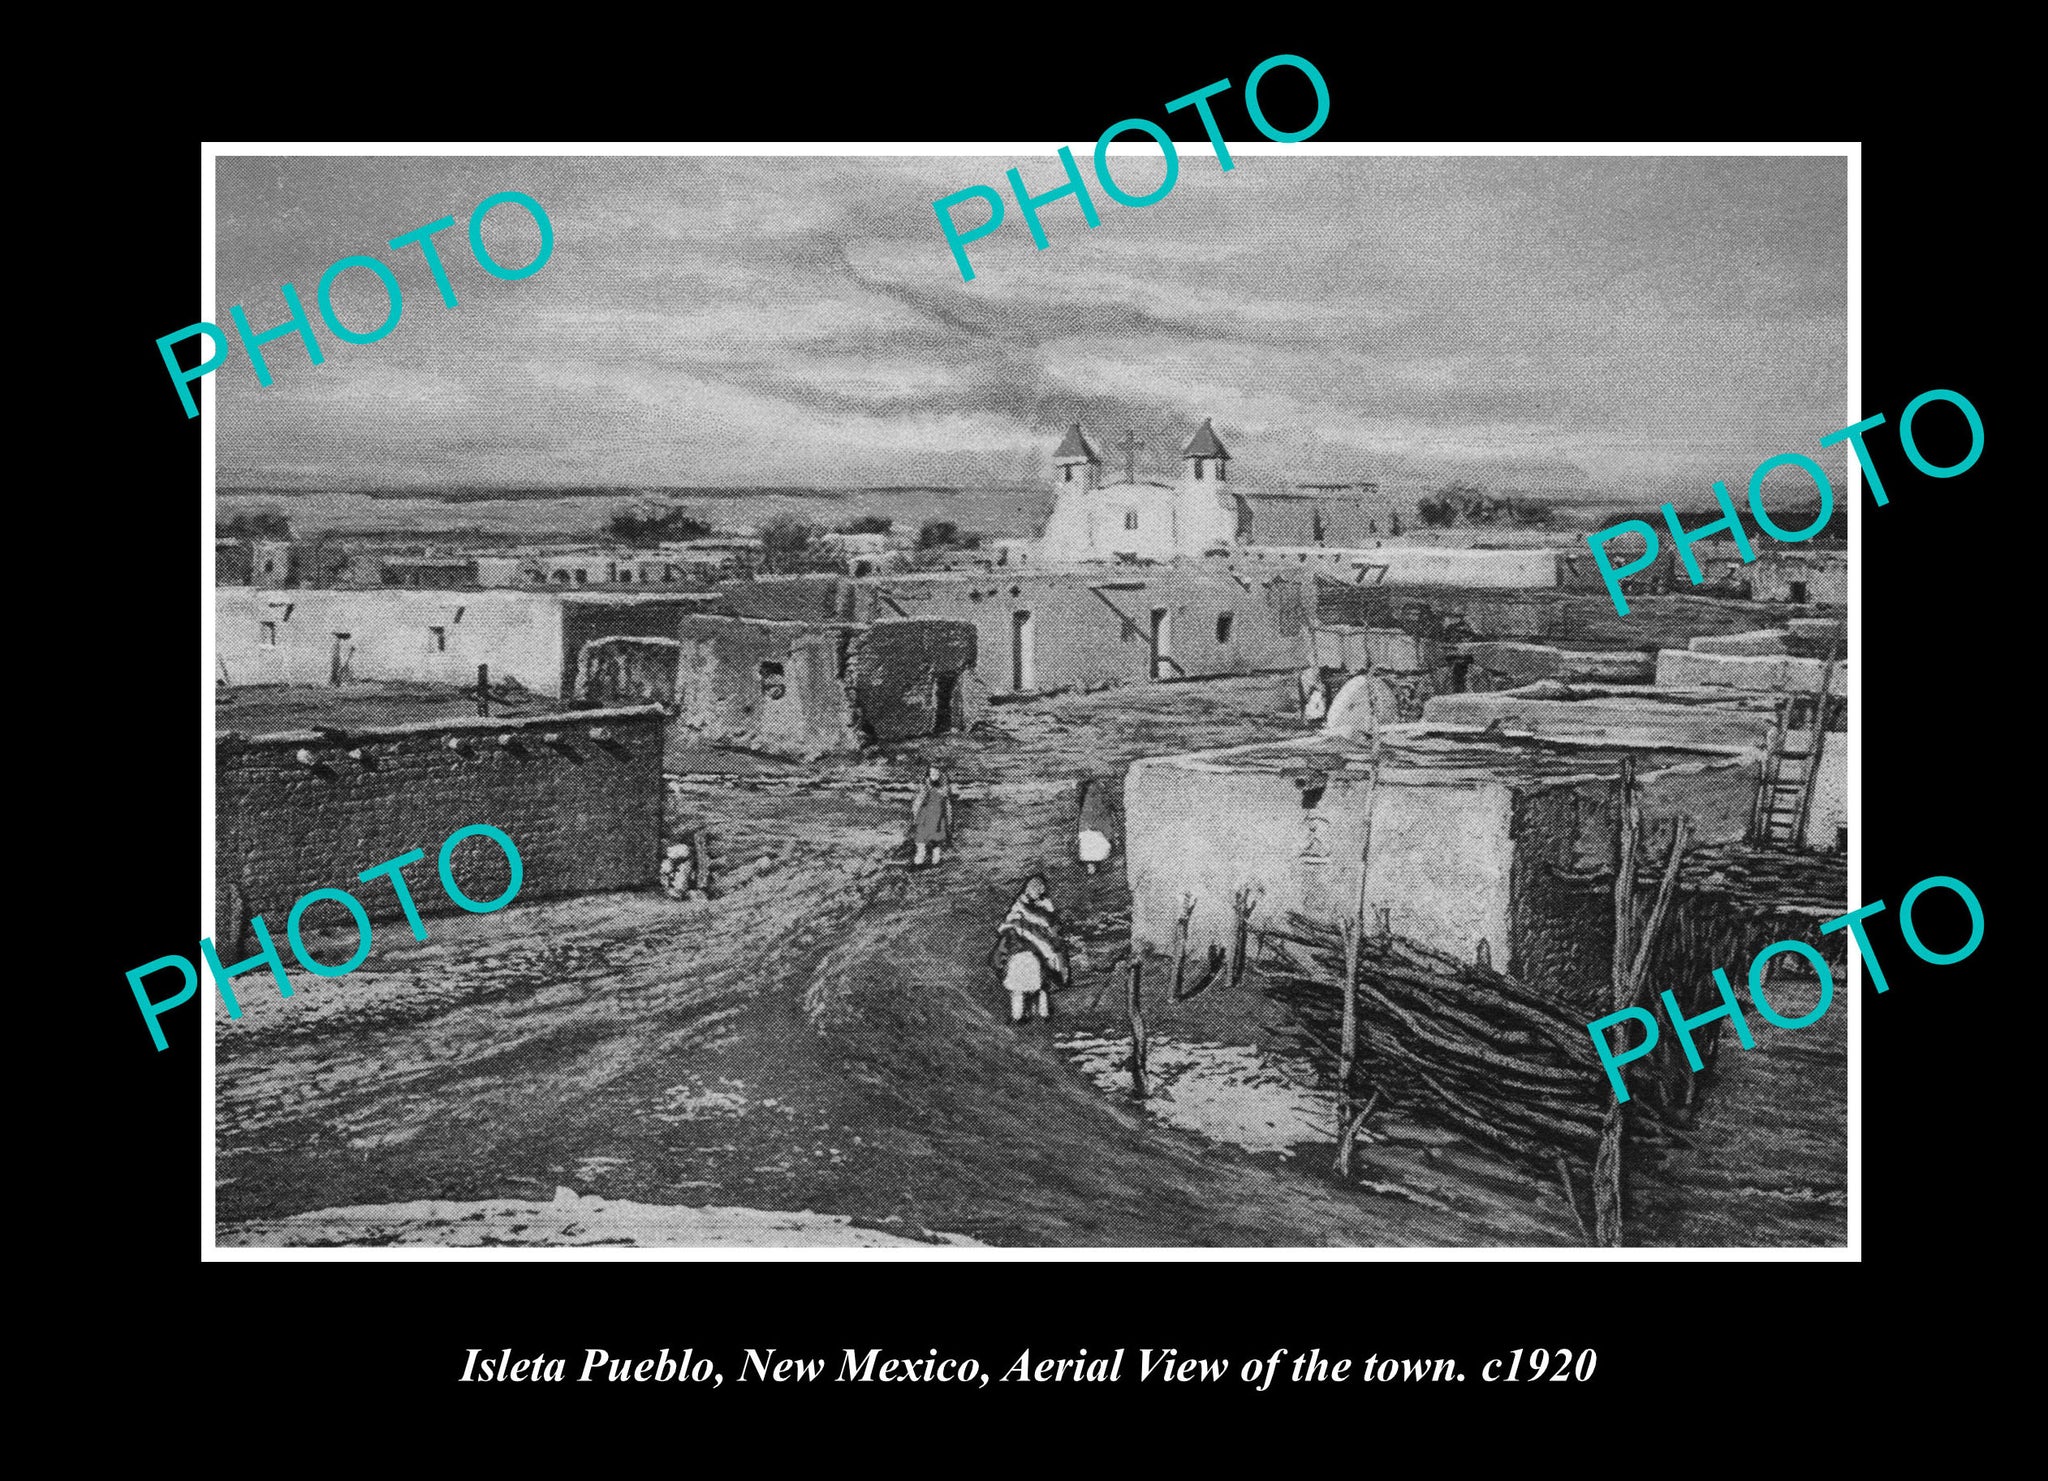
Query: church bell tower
x=1075, y=465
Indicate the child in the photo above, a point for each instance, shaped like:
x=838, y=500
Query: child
x=931, y=817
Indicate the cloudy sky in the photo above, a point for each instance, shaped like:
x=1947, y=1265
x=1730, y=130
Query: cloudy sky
x=1612, y=325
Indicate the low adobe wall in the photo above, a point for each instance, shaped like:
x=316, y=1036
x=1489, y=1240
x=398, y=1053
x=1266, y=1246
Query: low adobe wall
x=1688, y=668
x=1508, y=665
x=580, y=794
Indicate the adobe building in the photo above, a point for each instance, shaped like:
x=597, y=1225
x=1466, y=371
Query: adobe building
x=344, y=635
x=792, y=688
x=1750, y=702
x=1803, y=576
x=238, y=561
x=1464, y=839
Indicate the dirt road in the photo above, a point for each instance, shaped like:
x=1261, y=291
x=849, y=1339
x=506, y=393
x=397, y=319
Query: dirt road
x=829, y=1036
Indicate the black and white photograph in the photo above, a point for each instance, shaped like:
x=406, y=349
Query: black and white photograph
x=1254, y=723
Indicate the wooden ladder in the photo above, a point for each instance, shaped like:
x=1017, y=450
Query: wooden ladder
x=1785, y=774
x=1785, y=800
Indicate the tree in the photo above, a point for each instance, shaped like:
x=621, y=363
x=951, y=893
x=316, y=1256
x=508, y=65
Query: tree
x=937, y=534
x=258, y=524
x=650, y=522
x=1437, y=509
x=790, y=544
x=867, y=524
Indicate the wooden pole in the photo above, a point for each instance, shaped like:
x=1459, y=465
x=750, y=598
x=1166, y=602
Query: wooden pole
x=483, y=689
x=1640, y=968
x=1180, y=949
x=1350, y=1135
x=1240, y=940
x=1347, y=1035
x=1134, y=1002
x=1607, y=1161
x=1607, y=1183
x=1625, y=881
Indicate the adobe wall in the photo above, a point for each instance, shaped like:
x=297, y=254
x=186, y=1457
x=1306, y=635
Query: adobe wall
x=1439, y=855
x=1507, y=665
x=792, y=599
x=580, y=794
x=1554, y=711
x=1558, y=619
x=1776, y=672
x=1830, y=809
x=1769, y=640
x=723, y=697
x=1092, y=627
x=518, y=633
x=585, y=621
x=1413, y=565
x=897, y=668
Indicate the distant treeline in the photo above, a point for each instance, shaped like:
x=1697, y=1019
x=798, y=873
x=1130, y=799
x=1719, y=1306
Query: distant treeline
x=603, y=491
x=256, y=524
x=1468, y=504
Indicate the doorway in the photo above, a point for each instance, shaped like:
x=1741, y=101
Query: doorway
x=1162, y=642
x=1799, y=592
x=341, y=661
x=1023, y=660
x=942, y=702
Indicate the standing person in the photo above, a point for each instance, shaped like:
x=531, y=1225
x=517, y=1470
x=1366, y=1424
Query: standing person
x=931, y=817
x=1097, y=824
x=1036, y=951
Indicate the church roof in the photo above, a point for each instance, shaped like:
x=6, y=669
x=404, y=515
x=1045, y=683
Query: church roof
x=1074, y=445
x=1204, y=444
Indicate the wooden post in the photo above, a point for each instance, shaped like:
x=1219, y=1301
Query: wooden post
x=483, y=689
x=1639, y=970
x=1134, y=1001
x=700, y=860
x=1180, y=949
x=1624, y=882
x=1347, y=1036
x=1607, y=1182
x=1349, y=1135
x=1607, y=1160
x=1240, y=940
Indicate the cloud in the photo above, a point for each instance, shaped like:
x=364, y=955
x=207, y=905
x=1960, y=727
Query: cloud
x=1610, y=322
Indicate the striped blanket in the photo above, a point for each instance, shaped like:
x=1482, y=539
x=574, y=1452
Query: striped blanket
x=1034, y=926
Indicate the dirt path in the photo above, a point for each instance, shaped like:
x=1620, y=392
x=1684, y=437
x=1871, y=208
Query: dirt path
x=829, y=1036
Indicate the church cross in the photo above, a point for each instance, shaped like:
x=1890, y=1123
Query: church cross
x=1130, y=447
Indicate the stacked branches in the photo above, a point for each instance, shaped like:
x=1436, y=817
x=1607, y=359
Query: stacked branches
x=1453, y=1041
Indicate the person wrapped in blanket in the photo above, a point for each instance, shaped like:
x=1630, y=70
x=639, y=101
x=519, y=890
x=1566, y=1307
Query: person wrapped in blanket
x=1034, y=949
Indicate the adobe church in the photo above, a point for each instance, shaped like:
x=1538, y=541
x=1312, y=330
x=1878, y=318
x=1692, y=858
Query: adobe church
x=1135, y=519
